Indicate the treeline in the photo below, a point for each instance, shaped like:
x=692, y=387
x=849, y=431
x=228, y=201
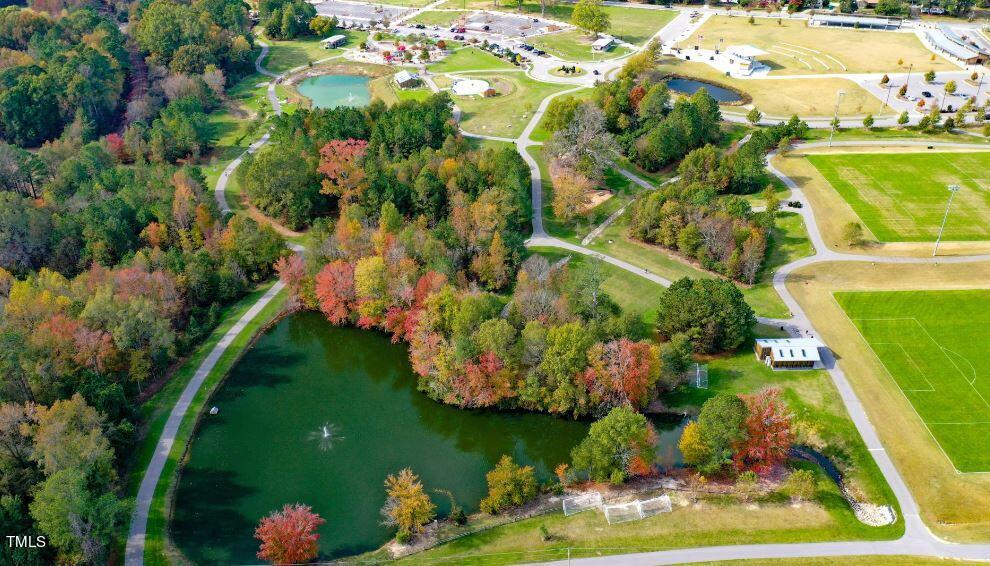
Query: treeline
x=58, y=73
x=108, y=273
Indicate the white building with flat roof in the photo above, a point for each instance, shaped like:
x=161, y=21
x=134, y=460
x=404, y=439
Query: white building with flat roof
x=603, y=43
x=333, y=41
x=786, y=353
x=742, y=59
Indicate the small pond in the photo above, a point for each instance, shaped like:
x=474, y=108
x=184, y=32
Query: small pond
x=691, y=86
x=330, y=91
x=320, y=415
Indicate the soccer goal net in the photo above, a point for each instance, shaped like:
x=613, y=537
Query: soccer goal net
x=636, y=510
x=582, y=502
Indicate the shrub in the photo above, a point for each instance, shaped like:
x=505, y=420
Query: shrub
x=509, y=484
x=800, y=485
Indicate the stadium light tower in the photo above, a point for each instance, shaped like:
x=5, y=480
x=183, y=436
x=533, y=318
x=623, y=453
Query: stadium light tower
x=835, y=119
x=953, y=189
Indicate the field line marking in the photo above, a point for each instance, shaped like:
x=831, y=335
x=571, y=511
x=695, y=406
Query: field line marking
x=931, y=388
x=971, y=366
x=903, y=393
x=895, y=200
x=930, y=337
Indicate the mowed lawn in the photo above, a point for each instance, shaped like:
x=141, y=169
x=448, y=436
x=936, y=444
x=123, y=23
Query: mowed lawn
x=506, y=114
x=575, y=46
x=901, y=197
x=470, y=59
x=934, y=346
x=793, y=47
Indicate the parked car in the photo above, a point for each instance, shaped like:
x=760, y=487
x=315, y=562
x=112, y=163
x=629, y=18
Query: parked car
x=461, y=30
x=485, y=28
x=926, y=94
x=540, y=52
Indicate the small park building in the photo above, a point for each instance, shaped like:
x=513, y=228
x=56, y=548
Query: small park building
x=602, y=43
x=405, y=79
x=742, y=59
x=333, y=41
x=788, y=353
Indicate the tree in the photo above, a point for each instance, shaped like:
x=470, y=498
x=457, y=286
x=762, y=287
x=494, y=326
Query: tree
x=570, y=192
x=930, y=76
x=868, y=121
x=903, y=118
x=884, y=80
x=711, y=312
x=618, y=446
x=847, y=6
x=407, y=507
x=721, y=427
x=950, y=87
x=560, y=113
x=509, y=485
x=692, y=445
x=835, y=123
x=81, y=524
x=323, y=26
x=889, y=7
x=342, y=163
x=69, y=435
x=585, y=145
x=902, y=91
x=335, y=291
x=289, y=536
x=544, y=4
x=590, y=16
x=852, y=233
x=754, y=116
x=768, y=435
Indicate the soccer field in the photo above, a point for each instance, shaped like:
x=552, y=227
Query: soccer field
x=901, y=197
x=934, y=346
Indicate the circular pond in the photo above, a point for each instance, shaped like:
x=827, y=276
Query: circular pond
x=330, y=91
x=318, y=414
x=691, y=86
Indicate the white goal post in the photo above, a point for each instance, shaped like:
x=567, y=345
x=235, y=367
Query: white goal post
x=636, y=510
x=583, y=502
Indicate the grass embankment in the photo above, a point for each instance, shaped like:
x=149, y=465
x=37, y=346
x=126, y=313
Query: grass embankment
x=833, y=213
x=812, y=97
x=794, y=48
x=156, y=410
x=506, y=114
x=952, y=505
x=874, y=134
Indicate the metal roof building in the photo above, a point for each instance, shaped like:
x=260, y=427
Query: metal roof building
x=849, y=21
x=781, y=353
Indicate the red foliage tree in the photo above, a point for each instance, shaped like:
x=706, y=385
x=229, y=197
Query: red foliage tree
x=636, y=95
x=341, y=162
x=484, y=382
x=117, y=147
x=335, y=291
x=291, y=271
x=289, y=536
x=622, y=372
x=768, y=432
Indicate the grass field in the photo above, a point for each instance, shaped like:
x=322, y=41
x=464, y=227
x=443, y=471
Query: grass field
x=575, y=46
x=933, y=346
x=784, y=98
x=285, y=55
x=504, y=115
x=902, y=196
x=792, y=47
x=441, y=18
x=470, y=59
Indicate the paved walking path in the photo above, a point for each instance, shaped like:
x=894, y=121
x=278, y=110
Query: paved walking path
x=917, y=540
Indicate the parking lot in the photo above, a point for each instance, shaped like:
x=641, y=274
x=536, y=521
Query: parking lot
x=508, y=25
x=347, y=12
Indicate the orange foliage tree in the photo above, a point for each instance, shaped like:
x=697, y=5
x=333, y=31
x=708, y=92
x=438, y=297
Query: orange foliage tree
x=768, y=432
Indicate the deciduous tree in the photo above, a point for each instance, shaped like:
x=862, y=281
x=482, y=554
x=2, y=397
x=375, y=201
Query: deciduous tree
x=289, y=536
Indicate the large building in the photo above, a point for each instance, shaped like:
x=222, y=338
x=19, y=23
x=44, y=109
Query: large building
x=788, y=353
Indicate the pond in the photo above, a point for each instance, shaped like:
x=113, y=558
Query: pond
x=320, y=415
x=330, y=91
x=691, y=86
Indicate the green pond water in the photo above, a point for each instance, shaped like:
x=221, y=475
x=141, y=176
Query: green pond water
x=320, y=415
x=330, y=91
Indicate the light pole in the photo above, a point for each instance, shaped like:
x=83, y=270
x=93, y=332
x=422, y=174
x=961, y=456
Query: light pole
x=886, y=100
x=953, y=189
x=835, y=118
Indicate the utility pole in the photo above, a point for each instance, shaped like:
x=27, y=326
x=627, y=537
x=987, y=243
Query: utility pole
x=835, y=118
x=953, y=189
